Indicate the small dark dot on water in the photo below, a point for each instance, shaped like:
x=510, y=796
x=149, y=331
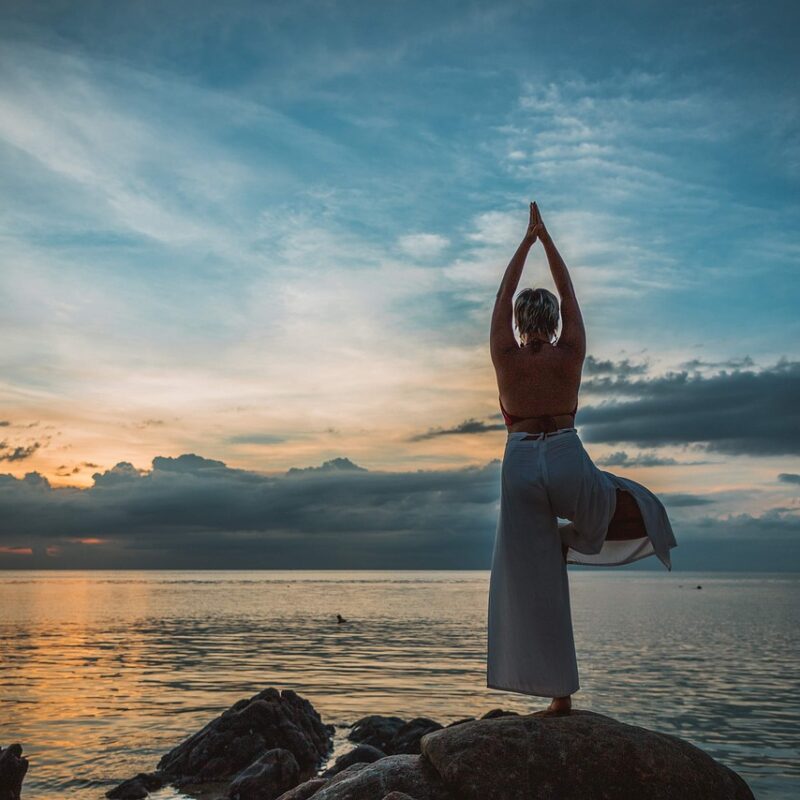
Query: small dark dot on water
x=699, y=587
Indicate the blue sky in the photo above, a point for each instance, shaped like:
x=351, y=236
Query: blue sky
x=271, y=234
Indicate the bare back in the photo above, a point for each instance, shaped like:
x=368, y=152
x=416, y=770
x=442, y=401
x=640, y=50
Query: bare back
x=539, y=379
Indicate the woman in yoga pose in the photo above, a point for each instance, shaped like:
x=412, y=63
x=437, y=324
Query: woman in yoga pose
x=547, y=475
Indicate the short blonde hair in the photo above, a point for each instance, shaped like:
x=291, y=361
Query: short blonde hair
x=536, y=311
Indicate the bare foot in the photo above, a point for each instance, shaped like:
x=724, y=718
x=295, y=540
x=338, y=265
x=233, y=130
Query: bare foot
x=560, y=705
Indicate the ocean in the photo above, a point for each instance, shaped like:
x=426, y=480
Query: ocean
x=101, y=672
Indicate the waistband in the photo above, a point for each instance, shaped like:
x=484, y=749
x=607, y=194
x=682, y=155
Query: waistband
x=524, y=434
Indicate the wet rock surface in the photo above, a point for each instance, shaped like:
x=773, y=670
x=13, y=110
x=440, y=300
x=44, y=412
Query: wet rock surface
x=270, y=747
x=238, y=739
x=13, y=766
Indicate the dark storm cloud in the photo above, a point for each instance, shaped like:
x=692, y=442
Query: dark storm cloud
x=620, y=458
x=193, y=511
x=594, y=366
x=17, y=453
x=469, y=426
x=789, y=477
x=738, y=412
x=4, y=423
x=731, y=363
x=684, y=500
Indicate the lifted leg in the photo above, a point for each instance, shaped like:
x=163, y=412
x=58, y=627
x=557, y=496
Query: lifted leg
x=627, y=522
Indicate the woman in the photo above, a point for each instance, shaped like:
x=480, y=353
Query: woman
x=547, y=475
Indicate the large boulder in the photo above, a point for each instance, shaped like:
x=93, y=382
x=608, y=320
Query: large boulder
x=410, y=774
x=580, y=755
x=13, y=766
x=248, y=729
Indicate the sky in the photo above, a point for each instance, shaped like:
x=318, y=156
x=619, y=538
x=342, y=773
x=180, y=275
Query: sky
x=249, y=254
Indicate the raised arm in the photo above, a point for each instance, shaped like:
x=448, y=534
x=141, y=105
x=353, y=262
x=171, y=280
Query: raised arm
x=573, y=333
x=502, y=338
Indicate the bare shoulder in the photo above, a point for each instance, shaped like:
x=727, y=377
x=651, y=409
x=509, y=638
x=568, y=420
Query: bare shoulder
x=571, y=353
x=505, y=356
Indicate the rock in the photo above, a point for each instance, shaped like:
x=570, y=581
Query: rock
x=399, y=796
x=411, y=774
x=499, y=712
x=363, y=753
x=304, y=790
x=376, y=730
x=137, y=787
x=311, y=787
x=248, y=729
x=13, y=767
x=392, y=735
x=459, y=721
x=272, y=774
x=576, y=756
x=406, y=740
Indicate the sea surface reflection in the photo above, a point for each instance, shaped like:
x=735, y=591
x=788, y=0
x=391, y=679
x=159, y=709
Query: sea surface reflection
x=102, y=672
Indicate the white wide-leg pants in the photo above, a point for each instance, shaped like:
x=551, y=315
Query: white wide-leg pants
x=530, y=640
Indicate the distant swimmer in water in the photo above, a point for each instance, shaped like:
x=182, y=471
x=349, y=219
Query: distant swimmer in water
x=340, y=619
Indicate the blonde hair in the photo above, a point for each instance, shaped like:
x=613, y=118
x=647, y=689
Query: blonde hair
x=536, y=311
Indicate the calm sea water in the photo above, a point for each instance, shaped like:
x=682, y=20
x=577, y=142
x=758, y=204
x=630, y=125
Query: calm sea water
x=102, y=672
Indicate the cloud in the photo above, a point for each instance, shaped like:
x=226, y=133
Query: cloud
x=621, y=459
x=729, y=363
x=334, y=465
x=19, y=452
x=423, y=245
x=743, y=412
x=684, y=500
x=594, y=366
x=256, y=438
x=469, y=426
x=789, y=477
x=193, y=510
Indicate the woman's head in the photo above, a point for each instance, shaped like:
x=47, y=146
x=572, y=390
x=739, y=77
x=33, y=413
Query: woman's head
x=536, y=312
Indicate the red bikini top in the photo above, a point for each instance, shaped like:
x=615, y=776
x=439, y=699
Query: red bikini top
x=512, y=418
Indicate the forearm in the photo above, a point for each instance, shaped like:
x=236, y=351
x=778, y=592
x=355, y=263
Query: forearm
x=513, y=271
x=558, y=269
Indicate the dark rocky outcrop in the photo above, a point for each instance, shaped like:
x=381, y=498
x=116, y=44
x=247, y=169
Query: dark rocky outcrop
x=13, y=766
x=579, y=755
x=392, y=735
x=363, y=753
x=407, y=738
x=376, y=730
x=267, y=777
x=410, y=774
x=137, y=787
x=269, y=748
x=236, y=740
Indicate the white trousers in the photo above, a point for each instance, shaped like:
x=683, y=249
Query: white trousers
x=530, y=640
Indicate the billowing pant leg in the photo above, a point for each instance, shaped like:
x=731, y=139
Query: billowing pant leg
x=579, y=492
x=530, y=639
